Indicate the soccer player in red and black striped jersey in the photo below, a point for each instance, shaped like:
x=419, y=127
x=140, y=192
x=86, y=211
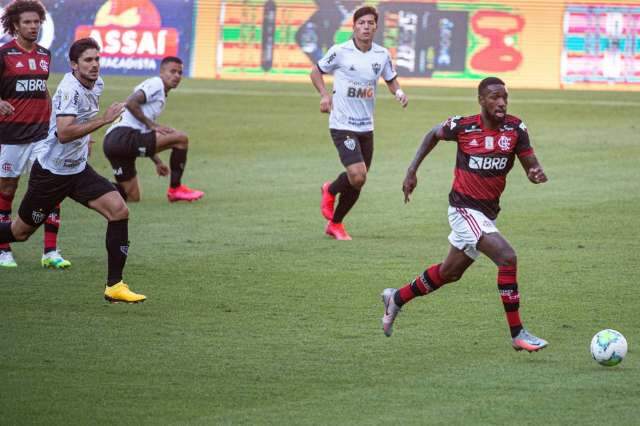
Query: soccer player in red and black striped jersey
x=25, y=107
x=488, y=144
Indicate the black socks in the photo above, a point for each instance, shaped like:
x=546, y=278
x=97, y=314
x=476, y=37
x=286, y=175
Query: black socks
x=177, y=162
x=117, y=249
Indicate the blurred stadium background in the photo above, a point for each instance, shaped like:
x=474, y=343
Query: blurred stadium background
x=547, y=44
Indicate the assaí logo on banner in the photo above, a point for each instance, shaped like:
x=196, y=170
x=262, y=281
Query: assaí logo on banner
x=130, y=35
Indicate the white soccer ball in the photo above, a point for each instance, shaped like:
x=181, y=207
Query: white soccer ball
x=608, y=347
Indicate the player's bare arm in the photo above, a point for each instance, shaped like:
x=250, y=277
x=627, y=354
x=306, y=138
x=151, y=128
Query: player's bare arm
x=318, y=82
x=134, y=104
x=394, y=88
x=89, y=147
x=429, y=142
x=533, y=169
x=68, y=130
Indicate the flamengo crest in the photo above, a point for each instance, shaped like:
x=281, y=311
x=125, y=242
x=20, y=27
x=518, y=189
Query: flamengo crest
x=504, y=143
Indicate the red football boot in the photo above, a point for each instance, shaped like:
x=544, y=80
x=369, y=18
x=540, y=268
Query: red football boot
x=183, y=193
x=327, y=201
x=337, y=231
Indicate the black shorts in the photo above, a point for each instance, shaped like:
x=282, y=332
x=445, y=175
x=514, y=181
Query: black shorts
x=121, y=147
x=47, y=189
x=353, y=147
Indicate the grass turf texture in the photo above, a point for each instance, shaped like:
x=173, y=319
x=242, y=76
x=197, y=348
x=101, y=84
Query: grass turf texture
x=253, y=316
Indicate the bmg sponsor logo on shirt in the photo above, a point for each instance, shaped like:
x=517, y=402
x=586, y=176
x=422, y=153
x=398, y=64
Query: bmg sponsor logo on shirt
x=361, y=92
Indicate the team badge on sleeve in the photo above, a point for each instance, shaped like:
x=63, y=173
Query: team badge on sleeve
x=451, y=122
x=522, y=126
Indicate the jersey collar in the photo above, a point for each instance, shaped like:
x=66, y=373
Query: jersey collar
x=22, y=49
x=355, y=46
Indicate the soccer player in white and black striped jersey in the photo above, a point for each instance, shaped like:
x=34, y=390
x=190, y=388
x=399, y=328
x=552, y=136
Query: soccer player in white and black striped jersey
x=138, y=134
x=61, y=169
x=356, y=65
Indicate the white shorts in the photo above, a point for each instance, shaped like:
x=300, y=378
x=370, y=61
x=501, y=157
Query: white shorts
x=467, y=226
x=17, y=159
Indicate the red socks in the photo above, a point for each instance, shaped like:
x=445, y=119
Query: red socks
x=51, y=226
x=5, y=217
x=423, y=284
x=508, y=288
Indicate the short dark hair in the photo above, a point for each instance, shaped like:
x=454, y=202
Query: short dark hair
x=170, y=59
x=79, y=46
x=488, y=82
x=12, y=12
x=365, y=10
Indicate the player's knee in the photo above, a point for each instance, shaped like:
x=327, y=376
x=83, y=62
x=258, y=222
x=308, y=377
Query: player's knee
x=358, y=180
x=120, y=212
x=507, y=258
x=8, y=191
x=133, y=195
x=182, y=140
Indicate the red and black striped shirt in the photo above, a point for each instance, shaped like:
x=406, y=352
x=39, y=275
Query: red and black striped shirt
x=23, y=83
x=483, y=160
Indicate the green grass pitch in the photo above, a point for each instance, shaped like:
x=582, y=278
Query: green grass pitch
x=255, y=317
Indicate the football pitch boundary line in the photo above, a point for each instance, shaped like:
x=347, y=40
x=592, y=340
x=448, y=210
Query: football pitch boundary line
x=434, y=98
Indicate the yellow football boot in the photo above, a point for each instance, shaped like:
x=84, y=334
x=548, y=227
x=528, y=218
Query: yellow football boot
x=120, y=293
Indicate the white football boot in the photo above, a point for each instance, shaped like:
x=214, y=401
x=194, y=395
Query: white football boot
x=7, y=260
x=391, y=310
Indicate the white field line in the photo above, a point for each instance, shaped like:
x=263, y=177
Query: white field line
x=430, y=98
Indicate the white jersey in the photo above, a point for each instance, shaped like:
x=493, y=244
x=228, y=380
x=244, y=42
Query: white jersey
x=356, y=75
x=71, y=99
x=155, y=99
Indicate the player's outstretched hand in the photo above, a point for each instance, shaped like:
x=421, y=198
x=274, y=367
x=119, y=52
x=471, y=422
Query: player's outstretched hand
x=162, y=169
x=6, y=108
x=536, y=175
x=113, y=112
x=409, y=184
x=326, y=103
x=402, y=98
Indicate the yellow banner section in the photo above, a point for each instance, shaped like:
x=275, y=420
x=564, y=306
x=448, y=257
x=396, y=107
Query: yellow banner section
x=530, y=44
x=206, y=39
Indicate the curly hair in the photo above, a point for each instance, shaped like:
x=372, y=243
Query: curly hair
x=12, y=12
